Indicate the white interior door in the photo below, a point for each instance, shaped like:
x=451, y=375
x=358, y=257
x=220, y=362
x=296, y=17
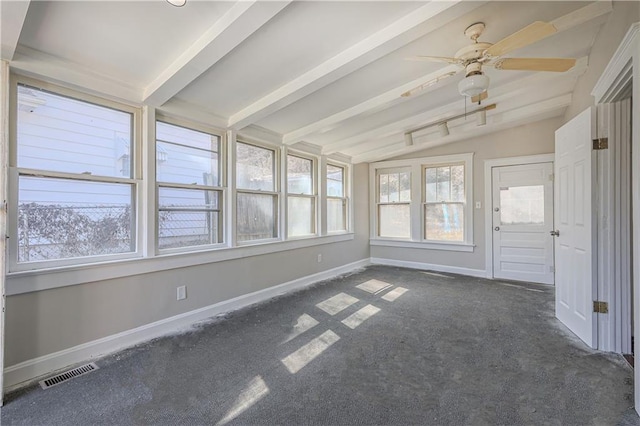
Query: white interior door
x=575, y=276
x=522, y=208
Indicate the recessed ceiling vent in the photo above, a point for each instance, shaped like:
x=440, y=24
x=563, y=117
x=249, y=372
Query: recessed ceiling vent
x=68, y=375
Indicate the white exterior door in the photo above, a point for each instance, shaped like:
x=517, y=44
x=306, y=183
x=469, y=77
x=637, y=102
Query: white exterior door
x=522, y=198
x=576, y=287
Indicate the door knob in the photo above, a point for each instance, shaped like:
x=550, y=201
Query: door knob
x=554, y=233
x=497, y=228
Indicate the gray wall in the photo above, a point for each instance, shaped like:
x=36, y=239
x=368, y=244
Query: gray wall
x=609, y=37
x=529, y=139
x=44, y=322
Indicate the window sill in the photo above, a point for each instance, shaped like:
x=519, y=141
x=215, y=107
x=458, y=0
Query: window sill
x=44, y=279
x=422, y=245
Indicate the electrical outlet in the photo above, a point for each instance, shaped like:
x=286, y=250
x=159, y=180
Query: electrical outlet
x=319, y=258
x=182, y=292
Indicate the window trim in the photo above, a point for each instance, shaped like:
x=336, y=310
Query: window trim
x=276, y=193
x=396, y=170
x=221, y=188
x=14, y=172
x=346, y=196
x=417, y=167
x=313, y=196
x=147, y=258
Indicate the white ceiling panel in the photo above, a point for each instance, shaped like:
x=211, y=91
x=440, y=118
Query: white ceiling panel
x=328, y=73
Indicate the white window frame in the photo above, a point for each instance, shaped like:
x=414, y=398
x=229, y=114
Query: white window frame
x=221, y=188
x=276, y=193
x=346, y=195
x=146, y=259
x=384, y=171
x=15, y=172
x=313, y=196
x=417, y=167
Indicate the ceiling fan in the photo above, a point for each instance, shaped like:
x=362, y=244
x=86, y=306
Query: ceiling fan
x=478, y=54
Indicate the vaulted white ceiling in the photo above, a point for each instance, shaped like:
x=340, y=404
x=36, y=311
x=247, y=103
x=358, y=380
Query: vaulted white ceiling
x=325, y=73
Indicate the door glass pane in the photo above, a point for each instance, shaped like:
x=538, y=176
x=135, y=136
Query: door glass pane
x=522, y=205
x=395, y=220
x=444, y=222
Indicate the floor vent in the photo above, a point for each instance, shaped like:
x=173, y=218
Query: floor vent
x=68, y=375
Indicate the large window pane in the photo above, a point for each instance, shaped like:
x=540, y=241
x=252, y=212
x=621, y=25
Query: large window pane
x=301, y=216
x=62, y=134
x=444, y=222
x=336, y=215
x=62, y=218
x=457, y=183
x=445, y=183
x=255, y=167
x=186, y=156
x=299, y=175
x=522, y=205
x=394, y=220
x=394, y=187
x=188, y=217
x=335, y=181
x=256, y=216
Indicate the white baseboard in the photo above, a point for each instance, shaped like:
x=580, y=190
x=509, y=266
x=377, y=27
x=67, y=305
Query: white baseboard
x=480, y=273
x=21, y=374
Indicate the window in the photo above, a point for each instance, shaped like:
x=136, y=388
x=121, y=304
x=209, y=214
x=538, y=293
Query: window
x=336, y=199
x=75, y=184
x=301, y=199
x=444, y=203
x=394, y=204
x=190, y=192
x=423, y=203
x=256, y=196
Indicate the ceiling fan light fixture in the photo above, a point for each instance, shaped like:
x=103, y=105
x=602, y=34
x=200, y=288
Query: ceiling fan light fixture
x=473, y=85
x=177, y=3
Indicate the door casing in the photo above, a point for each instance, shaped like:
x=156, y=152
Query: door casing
x=488, y=166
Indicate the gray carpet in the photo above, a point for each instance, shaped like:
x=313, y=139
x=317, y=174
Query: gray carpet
x=450, y=350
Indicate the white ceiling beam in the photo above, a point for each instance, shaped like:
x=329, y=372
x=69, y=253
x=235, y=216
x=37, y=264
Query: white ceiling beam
x=387, y=98
x=514, y=89
x=236, y=25
x=582, y=15
x=12, y=16
x=563, y=23
x=405, y=30
x=464, y=130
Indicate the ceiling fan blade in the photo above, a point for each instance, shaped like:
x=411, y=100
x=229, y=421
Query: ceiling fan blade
x=481, y=97
x=526, y=36
x=434, y=59
x=428, y=84
x=535, y=64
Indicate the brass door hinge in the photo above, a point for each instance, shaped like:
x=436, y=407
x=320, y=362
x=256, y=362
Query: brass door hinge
x=600, y=307
x=601, y=143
